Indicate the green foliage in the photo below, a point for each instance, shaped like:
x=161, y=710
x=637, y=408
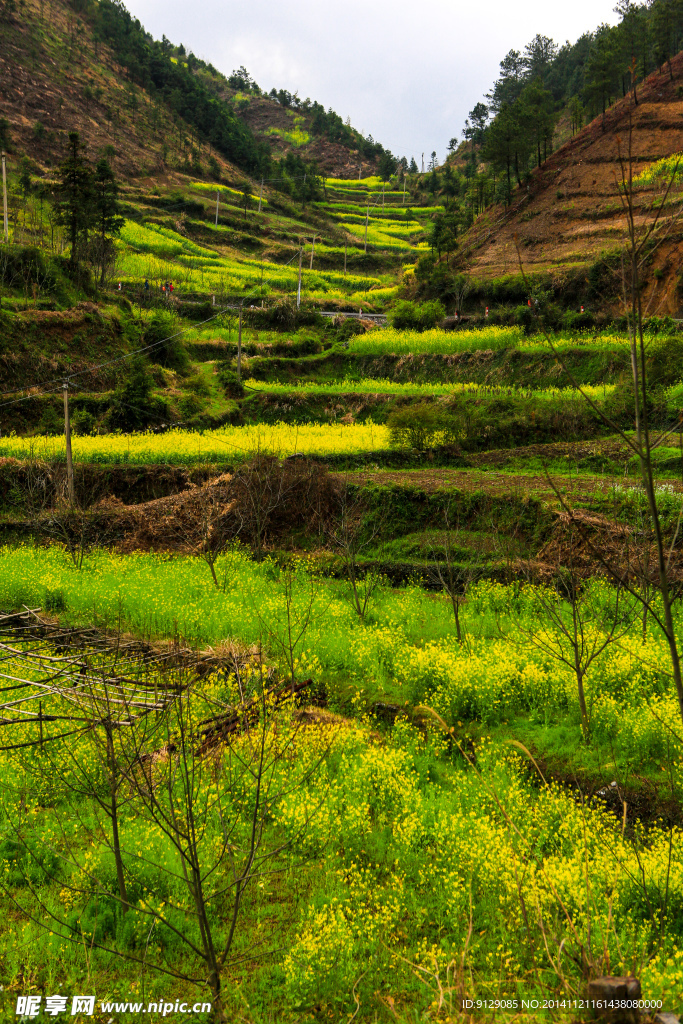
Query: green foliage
x=133, y=405
x=167, y=349
x=232, y=387
x=191, y=404
x=82, y=422
x=185, y=85
x=74, y=196
x=349, y=328
x=416, y=316
x=665, y=363
x=23, y=266
x=422, y=426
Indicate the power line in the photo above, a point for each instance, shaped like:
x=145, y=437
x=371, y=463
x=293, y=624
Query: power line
x=56, y=384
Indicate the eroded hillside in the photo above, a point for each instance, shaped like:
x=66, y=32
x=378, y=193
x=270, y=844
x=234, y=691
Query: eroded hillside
x=570, y=213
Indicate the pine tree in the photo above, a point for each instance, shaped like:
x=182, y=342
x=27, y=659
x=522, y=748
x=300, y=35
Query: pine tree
x=74, y=197
x=106, y=211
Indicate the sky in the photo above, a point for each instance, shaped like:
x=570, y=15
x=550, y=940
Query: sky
x=406, y=73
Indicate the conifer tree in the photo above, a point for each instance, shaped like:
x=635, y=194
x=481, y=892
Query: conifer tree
x=106, y=212
x=74, y=197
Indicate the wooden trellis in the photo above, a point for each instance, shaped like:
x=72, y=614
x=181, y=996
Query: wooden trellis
x=95, y=677
x=102, y=679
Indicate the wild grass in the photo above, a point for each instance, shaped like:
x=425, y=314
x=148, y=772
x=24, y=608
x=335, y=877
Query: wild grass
x=411, y=853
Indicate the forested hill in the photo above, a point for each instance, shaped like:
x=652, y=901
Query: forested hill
x=565, y=222
x=546, y=91
x=535, y=175
x=90, y=66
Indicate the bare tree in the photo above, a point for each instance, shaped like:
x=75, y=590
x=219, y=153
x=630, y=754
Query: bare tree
x=456, y=562
x=273, y=497
x=40, y=496
x=351, y=530
x=576, y=624
x=287, y=622
x=202, y=776
x=643, y=235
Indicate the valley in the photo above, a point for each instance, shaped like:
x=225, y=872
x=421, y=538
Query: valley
x=340, y=555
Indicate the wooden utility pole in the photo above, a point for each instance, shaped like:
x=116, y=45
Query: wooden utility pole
x=367, y=214
x=4, y=200
x=344, y=255
x=312, y=251
x=260, y=196
x=239, y=343
x=298, y=290
x=217, y=197
x=67, y=435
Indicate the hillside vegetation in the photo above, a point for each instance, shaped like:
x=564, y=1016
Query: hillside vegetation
x=340, y=627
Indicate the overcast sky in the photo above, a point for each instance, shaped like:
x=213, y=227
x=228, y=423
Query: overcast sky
x=406, y=73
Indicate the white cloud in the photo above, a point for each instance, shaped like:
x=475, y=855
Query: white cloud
x=407, y=73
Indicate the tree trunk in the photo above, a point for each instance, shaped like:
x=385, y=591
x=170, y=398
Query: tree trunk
x=113, y=782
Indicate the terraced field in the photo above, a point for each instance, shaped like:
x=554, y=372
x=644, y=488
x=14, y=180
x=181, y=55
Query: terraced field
x=408, y=574
x=253, y=250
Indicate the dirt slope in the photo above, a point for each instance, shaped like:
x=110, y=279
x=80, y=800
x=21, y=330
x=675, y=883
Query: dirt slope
x=57, y=78
x=570, y=211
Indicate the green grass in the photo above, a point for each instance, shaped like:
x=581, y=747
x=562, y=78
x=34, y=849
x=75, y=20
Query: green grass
x=158, y=254
x=297, y=136
x=372, y=386
x=395, y=847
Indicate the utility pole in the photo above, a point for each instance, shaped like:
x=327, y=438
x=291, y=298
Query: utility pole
x=367, y=214
x=404, y=190
x=67, y=435
x=345, y=255
x=312, y=251
x=298, y=290
x=4, y=199
x=260, y=196
x=217, y=196
x=239, y=343
x=383, y=187
x=423, y=163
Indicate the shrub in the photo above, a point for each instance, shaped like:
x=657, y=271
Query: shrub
x=82, y=422
x=573, y=321
x=416, y=316
x=161, y=332
x=198, y=385
x=525, y=316
x=666, y=360
x=661, y=325
x=134, y=407
x=191, y=405
x=232, y=387
x=23, y=266
x=348, y=328
x=421, y=426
